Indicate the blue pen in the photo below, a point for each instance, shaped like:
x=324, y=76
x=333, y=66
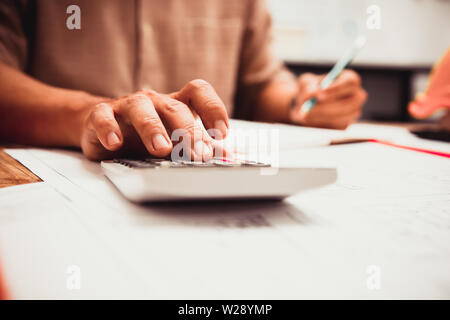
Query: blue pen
x=340, y=65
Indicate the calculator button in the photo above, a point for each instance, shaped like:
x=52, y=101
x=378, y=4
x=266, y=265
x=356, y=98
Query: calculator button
x=165, y=164
x=247, y=163
x=225, y=162
x=134, y=163
x=154, y=161
x=195, y=163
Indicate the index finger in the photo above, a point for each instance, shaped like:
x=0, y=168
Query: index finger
x=203, y=99
x=140, y=111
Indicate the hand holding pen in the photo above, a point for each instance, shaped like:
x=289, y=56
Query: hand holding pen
x=336, y=96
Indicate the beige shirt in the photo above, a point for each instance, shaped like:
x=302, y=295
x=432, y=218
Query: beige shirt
x=126, y=45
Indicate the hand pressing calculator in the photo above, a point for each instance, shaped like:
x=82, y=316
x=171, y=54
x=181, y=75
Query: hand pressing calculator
x=158, y=180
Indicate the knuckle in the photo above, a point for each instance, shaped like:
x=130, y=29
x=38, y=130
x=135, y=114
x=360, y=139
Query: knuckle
x=191, y=129
x=93, y=114
x=101, y=122
x=190, y=126
x=213, y=105
x=309, y=82
x=364, y=95
x=359, y=97
x=307, y=75
x=173, y=106
x=99, y=109
x=198, y=84
x=149, y=124
x=149, y=129
x=99, y=118
x=309, y=91
x=151, y=121
x=187, y=130
x=305, y=78
x=353, y=76
x=100, y=106
x=146, y=92
x=138, y=98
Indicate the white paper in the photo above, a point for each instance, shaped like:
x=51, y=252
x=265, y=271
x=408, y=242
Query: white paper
x=41, y=238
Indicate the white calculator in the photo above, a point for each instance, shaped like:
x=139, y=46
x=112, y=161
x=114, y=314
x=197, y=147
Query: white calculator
x=159, y=180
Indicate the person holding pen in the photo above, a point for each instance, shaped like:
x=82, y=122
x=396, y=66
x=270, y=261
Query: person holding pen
x=117, y=77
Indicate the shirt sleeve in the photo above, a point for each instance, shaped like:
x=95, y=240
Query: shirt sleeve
x=13, y=40
x=258, y=63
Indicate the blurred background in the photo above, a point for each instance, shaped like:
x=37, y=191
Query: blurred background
x=400, y=51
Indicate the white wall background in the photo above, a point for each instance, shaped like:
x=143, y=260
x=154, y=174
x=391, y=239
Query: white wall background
x=413, y=32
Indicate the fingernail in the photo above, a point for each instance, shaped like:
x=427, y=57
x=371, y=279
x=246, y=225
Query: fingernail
x=159, y=142
x=202, y=150
x=222, y=127
x=112, y=139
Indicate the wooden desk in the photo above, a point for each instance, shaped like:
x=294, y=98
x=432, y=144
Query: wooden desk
x=13, y=173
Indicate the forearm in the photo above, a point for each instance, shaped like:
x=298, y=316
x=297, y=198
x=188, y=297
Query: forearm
x=34, y=113
x=275, y=100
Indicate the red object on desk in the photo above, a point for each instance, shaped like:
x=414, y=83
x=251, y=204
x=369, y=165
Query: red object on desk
x=436, y=153
x=3, y=295
x=437, y=94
